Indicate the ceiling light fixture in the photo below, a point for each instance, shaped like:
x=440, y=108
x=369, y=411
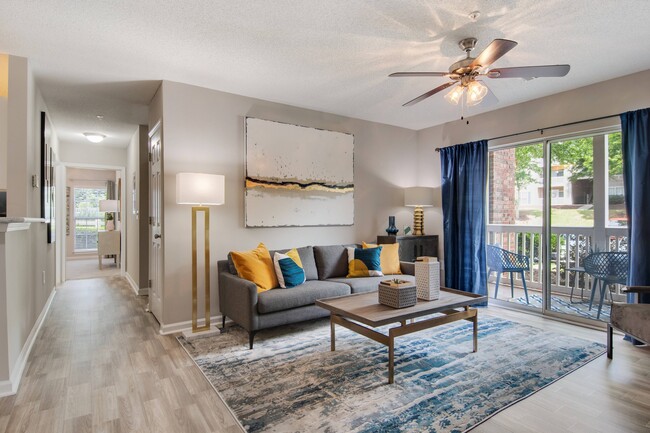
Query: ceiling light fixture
x=454, y=96
x=94, y=137
x=474, y=91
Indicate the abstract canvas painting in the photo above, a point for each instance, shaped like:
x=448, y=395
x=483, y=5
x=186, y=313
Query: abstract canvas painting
x=298, y=176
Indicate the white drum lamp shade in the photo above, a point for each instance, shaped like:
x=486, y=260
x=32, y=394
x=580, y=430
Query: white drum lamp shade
x=200, y=189
x=418, y=196
x=108, y=206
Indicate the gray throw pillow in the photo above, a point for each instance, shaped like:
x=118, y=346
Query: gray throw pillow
x=308, y=263
x=331, y=261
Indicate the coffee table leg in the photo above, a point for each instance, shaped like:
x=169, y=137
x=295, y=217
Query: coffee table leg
x=332, y=335
x=475, y=333
x=391, y=359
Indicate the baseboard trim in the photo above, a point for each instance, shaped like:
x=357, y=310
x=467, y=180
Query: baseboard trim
x=173, y=328
x=10, y=387
x=6, y=388
x=134, y=286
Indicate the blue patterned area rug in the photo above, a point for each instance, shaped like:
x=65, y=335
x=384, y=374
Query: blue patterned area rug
x=292, y=382
x=562, y=305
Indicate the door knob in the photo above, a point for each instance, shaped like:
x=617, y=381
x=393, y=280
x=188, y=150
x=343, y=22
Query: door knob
x=157, y=236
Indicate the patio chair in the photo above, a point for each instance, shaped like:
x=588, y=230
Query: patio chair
x=500, y=260
x=633, y=319
x=607, y=269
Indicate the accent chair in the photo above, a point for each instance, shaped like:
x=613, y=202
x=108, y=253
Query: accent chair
x=633, y=319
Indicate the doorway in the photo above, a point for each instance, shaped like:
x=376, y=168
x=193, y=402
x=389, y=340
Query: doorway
x=85, y=221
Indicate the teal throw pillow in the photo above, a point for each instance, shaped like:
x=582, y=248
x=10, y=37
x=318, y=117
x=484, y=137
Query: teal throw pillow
x=364, y=262
x=288, y=269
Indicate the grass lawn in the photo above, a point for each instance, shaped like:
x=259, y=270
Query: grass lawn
x=571, y=217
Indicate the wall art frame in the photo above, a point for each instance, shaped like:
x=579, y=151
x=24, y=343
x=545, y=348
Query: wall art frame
x=297, y=176
x=134, y=194
x=47, y=179
x=3, y=203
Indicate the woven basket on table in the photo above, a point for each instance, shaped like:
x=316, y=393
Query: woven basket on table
x=397, y=295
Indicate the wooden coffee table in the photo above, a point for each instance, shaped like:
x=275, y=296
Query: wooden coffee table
x=354, y=311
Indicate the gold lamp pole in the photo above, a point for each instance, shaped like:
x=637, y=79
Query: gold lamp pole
x=418, y=197
x=202, y=190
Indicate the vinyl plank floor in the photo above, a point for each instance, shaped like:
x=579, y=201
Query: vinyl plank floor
x=99, y=365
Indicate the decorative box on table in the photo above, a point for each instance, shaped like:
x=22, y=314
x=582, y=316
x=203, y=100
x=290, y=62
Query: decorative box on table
x=427, y=278
x=397, y=294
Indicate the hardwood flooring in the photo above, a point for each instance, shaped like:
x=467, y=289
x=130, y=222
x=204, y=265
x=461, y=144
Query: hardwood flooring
x=88, y=267
x=99, y=365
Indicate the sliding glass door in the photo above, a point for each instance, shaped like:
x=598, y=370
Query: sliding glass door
x=552, y=204
x=515, y=211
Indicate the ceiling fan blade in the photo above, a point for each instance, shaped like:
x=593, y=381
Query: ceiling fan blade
x=490, y=99
x=530, y=71
x=429, y=93
x=419, y=74
x=493, y=52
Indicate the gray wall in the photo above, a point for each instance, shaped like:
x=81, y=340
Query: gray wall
x=203, y=131
x=28, y=298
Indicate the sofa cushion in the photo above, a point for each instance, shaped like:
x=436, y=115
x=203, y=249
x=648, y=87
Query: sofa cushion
x=368, y=284
x=331, y=261
x=364, y=262
x=231, y=265
x=256, y=266
x=304, y=294
x=288, y=269
x=389, y=257
x=308, y=263
x=307, y=258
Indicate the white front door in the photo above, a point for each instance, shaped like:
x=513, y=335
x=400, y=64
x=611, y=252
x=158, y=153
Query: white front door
x=155, y=223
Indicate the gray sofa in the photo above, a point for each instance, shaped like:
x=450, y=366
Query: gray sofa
x=325, y=268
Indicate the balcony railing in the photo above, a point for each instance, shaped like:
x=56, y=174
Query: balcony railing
x=569, y=246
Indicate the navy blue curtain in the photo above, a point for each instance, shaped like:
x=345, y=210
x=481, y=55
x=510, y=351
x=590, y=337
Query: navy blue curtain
x=635, y=126
x=464, y=177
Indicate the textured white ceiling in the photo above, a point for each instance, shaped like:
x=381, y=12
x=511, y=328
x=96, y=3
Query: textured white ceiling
x=107, y=56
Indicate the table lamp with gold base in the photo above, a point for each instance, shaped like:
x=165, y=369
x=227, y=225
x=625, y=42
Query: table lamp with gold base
x=418, y=197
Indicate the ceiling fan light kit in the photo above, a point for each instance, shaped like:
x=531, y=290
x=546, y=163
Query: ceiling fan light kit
x=455, y=95
x=464, y=73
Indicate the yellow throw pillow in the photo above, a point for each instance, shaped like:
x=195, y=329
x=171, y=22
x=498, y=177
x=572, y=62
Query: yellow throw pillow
x=256, y=266
x=389, y=257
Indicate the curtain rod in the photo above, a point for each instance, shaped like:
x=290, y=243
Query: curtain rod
x=437, y=149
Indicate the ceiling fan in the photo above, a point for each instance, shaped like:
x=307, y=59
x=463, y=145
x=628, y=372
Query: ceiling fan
x=465, y=73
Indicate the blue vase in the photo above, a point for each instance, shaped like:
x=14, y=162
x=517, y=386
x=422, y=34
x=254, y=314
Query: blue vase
x=391, y=230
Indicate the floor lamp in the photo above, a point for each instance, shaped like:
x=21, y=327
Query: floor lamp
x=201, y=191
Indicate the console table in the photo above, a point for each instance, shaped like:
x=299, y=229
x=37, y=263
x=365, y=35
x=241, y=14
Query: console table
x=108, y=243
x=412, y=247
